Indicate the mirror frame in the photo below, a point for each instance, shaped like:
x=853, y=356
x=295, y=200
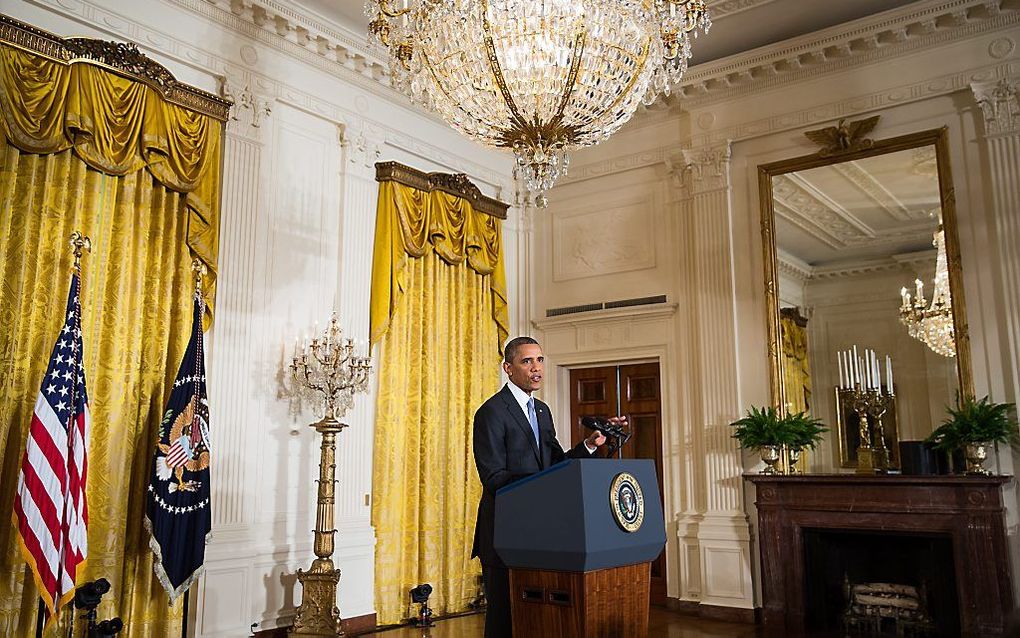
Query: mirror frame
x=937, y=137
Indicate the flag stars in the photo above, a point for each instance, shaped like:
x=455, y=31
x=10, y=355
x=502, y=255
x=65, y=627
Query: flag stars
x=60, y=359
x=50, y=389
x=63, y=390
x=61, y=406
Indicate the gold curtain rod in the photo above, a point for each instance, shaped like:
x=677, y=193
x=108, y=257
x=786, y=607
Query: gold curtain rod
x=456, y=184
x=122, y=58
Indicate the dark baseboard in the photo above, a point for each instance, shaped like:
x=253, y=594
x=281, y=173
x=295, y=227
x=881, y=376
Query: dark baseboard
x=351, y=626
x=359, y=624
x=715, y=612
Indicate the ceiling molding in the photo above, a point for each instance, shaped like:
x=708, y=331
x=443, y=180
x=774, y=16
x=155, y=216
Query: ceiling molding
x=864, y=41
x=868, y=184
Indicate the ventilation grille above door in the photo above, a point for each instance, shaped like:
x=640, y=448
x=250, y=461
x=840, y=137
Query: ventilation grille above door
x=605, y=305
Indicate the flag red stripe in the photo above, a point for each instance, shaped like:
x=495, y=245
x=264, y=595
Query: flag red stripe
x=53, y=455
x=46, y=507
x=42, y=568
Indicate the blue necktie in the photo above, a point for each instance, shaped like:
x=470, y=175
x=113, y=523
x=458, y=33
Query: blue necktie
x=533, y=419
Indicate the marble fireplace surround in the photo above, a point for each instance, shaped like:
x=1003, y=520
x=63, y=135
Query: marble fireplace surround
x=967, y=510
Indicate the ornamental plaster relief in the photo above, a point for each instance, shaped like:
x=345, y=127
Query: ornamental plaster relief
x=609, y=240
x=1000, y=105
x=697, y=171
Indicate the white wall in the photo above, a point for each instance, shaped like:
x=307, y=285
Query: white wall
x=313, y=116
x=689, y=168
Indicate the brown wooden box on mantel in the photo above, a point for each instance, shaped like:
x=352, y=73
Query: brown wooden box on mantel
x=966, y=511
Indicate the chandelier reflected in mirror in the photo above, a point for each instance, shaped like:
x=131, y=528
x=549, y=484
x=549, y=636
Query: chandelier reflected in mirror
x=538, y=77
x=932, y=324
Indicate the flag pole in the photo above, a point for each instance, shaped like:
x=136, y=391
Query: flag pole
x=40, y=618
x=184, y=616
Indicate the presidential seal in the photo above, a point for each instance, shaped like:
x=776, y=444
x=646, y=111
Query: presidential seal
x=627, y=502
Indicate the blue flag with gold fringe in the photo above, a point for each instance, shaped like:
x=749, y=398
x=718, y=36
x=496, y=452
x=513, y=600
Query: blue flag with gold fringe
x=178, y=516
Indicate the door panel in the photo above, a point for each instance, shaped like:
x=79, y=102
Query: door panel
x=593, y=392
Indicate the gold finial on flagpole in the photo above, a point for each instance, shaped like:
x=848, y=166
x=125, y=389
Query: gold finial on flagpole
x=200, y=271
x=79, y=243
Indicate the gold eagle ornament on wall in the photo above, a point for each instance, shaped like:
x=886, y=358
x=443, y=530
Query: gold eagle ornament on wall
x=844, y=137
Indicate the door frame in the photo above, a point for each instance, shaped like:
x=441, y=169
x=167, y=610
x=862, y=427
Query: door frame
x=559, y=365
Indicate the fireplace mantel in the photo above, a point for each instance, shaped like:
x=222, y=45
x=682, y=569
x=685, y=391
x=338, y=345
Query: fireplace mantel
x=966, y=509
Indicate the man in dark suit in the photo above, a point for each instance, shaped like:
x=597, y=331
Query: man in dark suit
x=513, y=437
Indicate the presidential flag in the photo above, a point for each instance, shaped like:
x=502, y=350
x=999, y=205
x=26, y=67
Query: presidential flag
x=50, y=509
x=178, y=516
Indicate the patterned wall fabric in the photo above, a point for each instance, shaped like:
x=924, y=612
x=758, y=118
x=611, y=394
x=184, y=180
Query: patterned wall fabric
x=438, y=362
x=72, y=161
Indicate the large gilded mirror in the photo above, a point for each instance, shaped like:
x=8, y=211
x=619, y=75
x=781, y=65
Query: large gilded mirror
x=848, y=233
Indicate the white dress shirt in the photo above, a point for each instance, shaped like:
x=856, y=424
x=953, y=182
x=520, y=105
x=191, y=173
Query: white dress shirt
x=522, y=398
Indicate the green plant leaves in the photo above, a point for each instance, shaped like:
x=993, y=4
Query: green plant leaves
x=976, y=421
x=764, y=426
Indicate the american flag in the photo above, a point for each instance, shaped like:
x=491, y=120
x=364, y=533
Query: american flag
x=50, y=509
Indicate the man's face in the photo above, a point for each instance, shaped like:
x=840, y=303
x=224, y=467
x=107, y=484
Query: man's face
x=528, y=367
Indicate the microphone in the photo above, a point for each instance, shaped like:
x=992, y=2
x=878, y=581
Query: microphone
x=604, y=426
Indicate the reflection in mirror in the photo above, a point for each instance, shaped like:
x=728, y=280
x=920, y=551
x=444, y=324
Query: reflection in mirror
x=849, y=236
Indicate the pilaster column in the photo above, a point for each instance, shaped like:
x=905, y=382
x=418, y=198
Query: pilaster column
x=237, y=290
x=356, y=537
x=713, y=525
x=1000, y=114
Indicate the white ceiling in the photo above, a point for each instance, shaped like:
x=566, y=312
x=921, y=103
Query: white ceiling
x=738, y=25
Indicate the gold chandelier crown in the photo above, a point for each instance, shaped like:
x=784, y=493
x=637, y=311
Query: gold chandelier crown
x=538, y=77
x=932, y=325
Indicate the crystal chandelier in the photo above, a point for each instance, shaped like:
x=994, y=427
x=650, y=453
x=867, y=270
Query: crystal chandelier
x=539, y=77
x=932, y=325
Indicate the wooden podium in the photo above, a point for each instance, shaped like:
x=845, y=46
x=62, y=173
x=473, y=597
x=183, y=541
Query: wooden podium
x=579, y=539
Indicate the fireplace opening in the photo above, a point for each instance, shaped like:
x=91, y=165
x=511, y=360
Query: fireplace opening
x=876, y=584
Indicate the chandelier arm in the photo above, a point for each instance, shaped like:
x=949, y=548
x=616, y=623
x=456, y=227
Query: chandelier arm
x=580, y=40
x=497, y=72
x=384, y=8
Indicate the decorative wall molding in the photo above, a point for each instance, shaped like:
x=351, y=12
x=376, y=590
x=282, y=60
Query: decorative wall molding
x=865, y=41
x=859, y=176
x=720, y=8
x=658, y=311
x=616, y=237
x=1000, y=105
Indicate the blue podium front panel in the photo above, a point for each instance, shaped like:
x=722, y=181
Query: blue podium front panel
x=562, y=518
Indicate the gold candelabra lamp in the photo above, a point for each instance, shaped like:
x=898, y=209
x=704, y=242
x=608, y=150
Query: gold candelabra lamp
x=861, y=386
x=326, y=367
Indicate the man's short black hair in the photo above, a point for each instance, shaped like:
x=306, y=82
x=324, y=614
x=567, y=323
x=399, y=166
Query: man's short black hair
x=510, y=350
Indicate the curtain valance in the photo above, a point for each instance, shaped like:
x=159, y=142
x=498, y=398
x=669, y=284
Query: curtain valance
x=413, y=222
x=116, y=125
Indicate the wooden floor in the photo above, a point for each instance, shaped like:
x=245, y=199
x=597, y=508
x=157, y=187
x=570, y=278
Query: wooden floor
x=661, y=622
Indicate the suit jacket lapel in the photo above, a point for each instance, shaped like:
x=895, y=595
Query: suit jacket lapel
x=522, y=422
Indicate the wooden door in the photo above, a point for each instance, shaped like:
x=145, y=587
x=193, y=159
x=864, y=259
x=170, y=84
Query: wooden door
x=631, y=390
x=593, y=392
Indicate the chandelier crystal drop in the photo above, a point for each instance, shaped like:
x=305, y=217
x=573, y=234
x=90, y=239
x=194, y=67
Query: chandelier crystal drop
x=538, y=77
x=932, y=325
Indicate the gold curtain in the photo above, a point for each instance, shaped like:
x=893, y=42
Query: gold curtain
x=439, y=314
x=796, y=371
x=73, y=141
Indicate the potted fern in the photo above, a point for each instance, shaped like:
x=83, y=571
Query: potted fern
x=974, y=426
x=805, y=433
